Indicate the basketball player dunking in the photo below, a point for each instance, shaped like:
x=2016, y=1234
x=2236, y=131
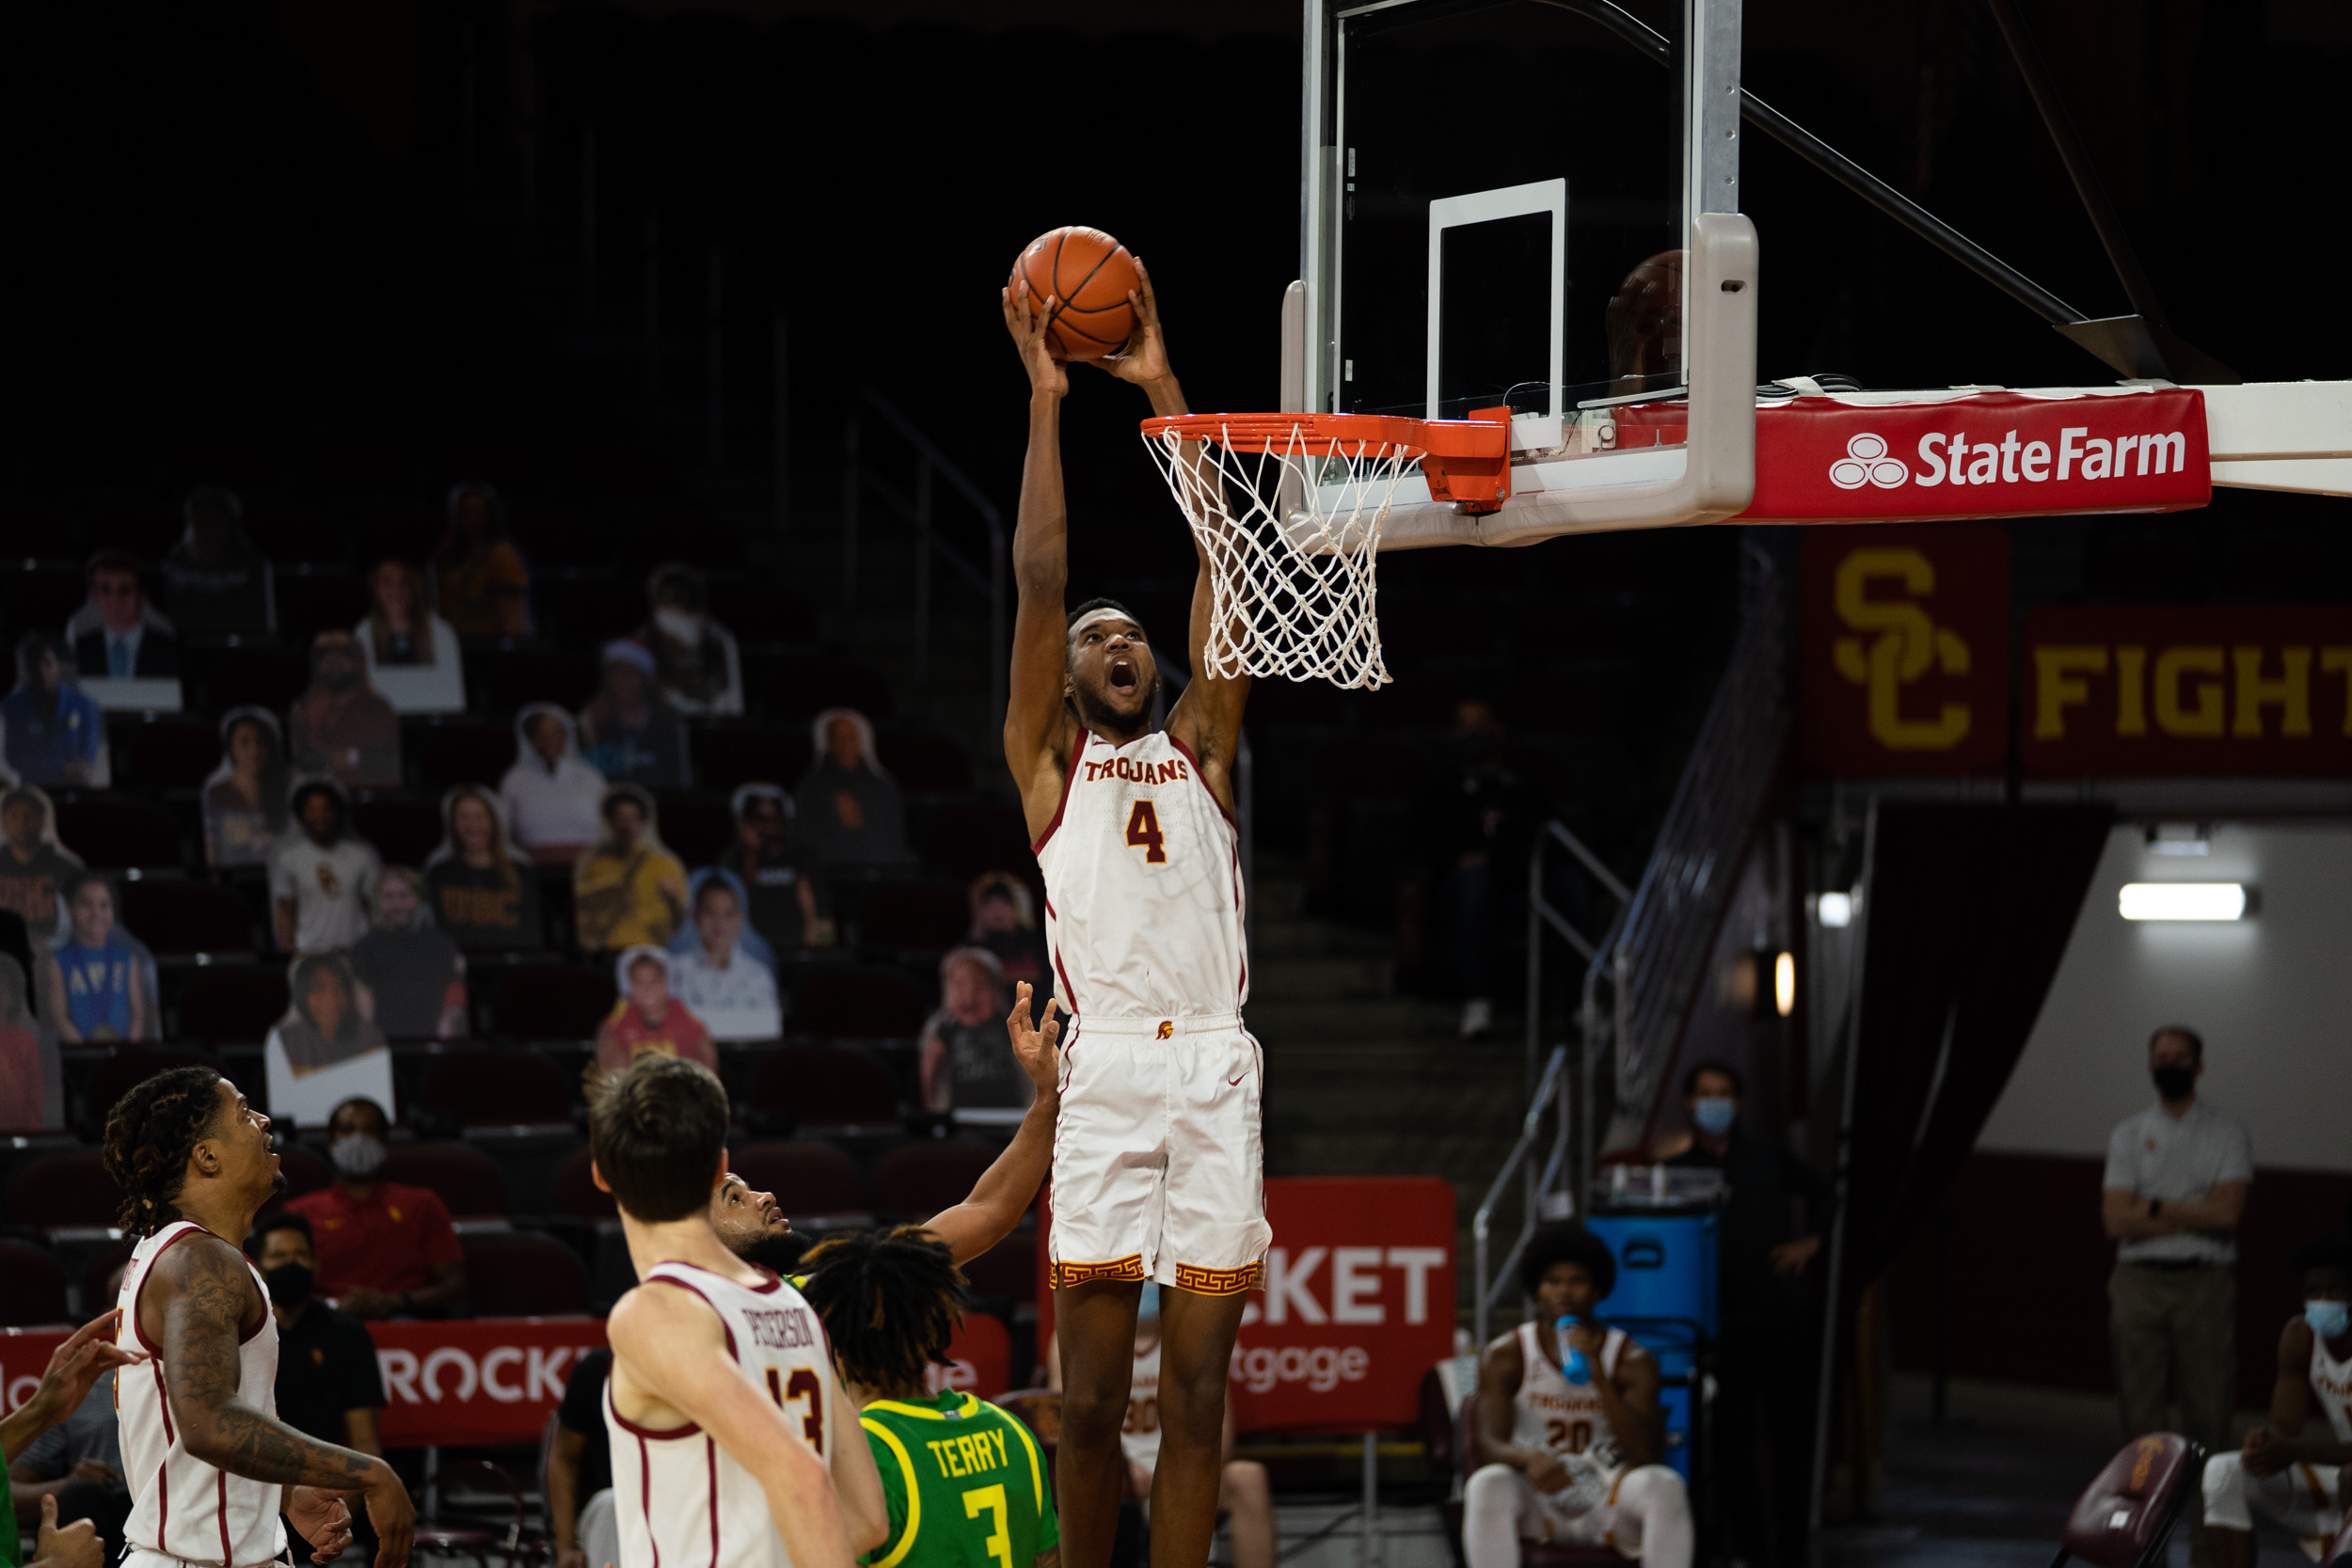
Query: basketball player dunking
x=733, y=1442
x=1157, y=1159
x=209, y=1464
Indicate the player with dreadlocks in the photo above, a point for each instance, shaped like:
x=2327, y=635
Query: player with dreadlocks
x=210, y=1466
x=964, y=1481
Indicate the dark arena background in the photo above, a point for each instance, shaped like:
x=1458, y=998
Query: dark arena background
x=582, y=313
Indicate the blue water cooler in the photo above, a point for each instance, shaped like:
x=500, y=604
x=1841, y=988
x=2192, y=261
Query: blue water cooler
x=1665, y=1298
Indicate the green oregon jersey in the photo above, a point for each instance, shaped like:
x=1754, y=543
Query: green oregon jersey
x=966, y=1484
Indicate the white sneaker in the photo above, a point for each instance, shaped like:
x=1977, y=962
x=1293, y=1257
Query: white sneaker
x=1478, y=1018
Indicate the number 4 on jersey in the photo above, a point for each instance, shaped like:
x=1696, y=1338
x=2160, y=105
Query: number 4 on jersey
x=1143, y=832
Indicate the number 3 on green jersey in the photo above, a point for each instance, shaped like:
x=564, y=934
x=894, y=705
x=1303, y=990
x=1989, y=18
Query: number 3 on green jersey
x=966, y=1483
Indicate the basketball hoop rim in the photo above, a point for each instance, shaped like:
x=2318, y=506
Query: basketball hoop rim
x=1309, y=435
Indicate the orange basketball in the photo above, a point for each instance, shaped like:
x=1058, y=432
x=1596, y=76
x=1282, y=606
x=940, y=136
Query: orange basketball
x=1090, y=273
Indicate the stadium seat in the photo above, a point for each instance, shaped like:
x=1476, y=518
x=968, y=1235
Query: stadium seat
x=164, y=753
x=462, y=1177
x=131, y=1065
x=1007, y=1271
x=303, y=1171
x=312, y=599
x=514, y=677
x=732, y=756
x=759, y=611
x=535, y=1004
x=465, y=752
x=261, y=677
x=813, y=1183
x=231, y=1004
x=920, y=1179
x=32, y=1286
x=113, y=833
x=497, y=1088
x=590, y=609
x=96, y=1298
x=404, y=832
x=965, y=838
x=858, y=1005
x=517, y=1274
x=42, y=598
x=695, y=826
x=798, y=686
x=181, y=919
x=577, y=1194
x=833, y=1091
x=923, y=763
x=2124, y=1518
x=913, y=917
x=64, y=1187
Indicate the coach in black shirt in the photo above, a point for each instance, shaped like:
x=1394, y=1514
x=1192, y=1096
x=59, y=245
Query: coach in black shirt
x=328, y=1383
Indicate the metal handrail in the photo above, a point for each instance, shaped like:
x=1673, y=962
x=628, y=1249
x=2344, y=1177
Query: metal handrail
x=1482, y=1223
x=989, y=581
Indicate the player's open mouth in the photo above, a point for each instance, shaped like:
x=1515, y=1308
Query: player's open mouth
x=1123, y=677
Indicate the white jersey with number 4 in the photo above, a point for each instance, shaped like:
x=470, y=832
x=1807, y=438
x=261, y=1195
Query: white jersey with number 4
x=1143, y=904
x=184, y=1511
x=679, y=1500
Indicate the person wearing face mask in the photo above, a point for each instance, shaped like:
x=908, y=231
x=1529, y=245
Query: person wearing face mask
x=328, y=1383
x=696, y=668
x=385, y=1250
x=2302, y=1482
x=2176, y=1182
x=1768, y=1274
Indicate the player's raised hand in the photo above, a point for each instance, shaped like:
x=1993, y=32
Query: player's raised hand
x=1144, y=361
x=1036, y=1050
x=1027, y=326
x=80, y=1362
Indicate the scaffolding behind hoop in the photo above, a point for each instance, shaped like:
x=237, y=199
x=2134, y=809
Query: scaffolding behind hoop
x=1287, y=509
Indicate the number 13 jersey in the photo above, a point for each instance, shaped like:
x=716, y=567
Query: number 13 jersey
x=1143, y=902
x=679, y=1501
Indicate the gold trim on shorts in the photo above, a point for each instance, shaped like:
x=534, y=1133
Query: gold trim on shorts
x=1127, y=1268
x=1217, y=1282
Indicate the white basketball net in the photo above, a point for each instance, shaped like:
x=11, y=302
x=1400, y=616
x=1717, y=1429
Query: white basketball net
x=1291, y=529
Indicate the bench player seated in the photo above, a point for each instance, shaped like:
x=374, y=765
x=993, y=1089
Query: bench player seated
x=2302, y=1482
x=1245, y=1494
x=964, y=1482
x=1568, y=1461
x=730, y=1433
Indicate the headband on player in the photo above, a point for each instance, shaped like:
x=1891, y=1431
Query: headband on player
x=1106, y=613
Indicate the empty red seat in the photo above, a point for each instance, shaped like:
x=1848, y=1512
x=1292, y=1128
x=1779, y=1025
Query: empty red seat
x=923, y=763
x=831, y=1090
x=404, y=832
x=497, y=1088
x=64, y=1187
x=96, y=1298
x=463, y=753
x=736, y=755
x=32, y=1286
x=463, y=1178
x=260, y=677
x=535, y=1004
x=577, y=1194
x=515, y=678
x=130, y=1067
x=921, y=1178
x=181, y=919
x=231, y=1004
x=913, y=917
x=2124, y=1517
x=858, y=1005
x=695, y=826
x=517, y=1274
x=159, y=754
x=117, y=833
x=1008, y=1269
x=314, y=599
x=965, y=838
x=812, y=1181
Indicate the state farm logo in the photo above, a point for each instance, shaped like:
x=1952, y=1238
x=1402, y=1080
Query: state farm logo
x=1866, y=463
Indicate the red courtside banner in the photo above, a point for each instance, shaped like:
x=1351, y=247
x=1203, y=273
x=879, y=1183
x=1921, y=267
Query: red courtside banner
x=1358, y=1305
x=2186, y=690
x=490, y=1380
x=1922, y=456
x=1905, y=651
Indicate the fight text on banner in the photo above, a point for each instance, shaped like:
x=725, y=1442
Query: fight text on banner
x=2186, y=690
x=1356, y=1305
x=1906, y=650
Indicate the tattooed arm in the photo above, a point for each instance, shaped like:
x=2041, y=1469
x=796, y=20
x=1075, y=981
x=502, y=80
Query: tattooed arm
x=203, y=1294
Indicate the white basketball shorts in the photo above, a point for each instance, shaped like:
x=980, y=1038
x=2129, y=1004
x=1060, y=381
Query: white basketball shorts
x=1159, y=1162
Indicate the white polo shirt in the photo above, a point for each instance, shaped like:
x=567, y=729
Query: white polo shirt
x=2155, y=1155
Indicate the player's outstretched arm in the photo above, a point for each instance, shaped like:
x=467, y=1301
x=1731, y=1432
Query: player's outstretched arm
x=208, y=1295
x=1037, y=725
x=1002, y=1195
x=672, y=1345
